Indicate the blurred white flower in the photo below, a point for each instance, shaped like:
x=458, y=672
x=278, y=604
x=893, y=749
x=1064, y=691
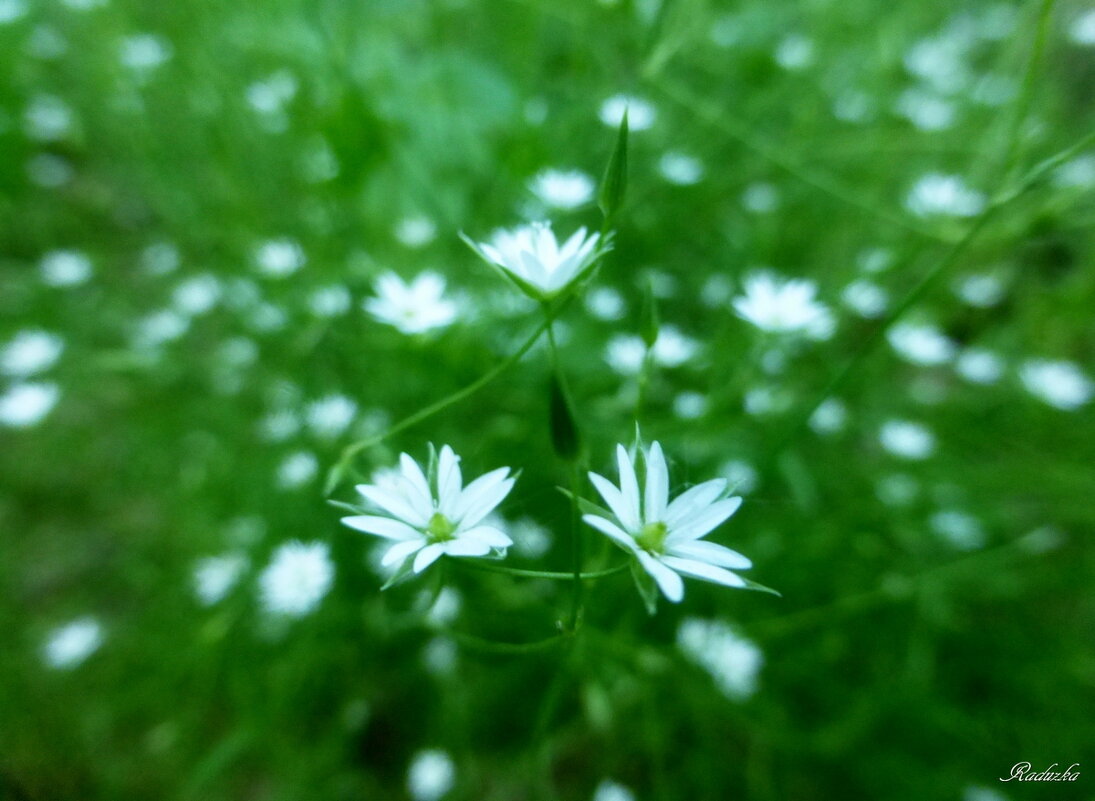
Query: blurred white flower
x=47, y=118
x=926, y=110
x=428, y=519
x=1077, y=173
x=24, y=405
x=329, y=301
x=906, y=439
x=30, y=352
x=159, y=327
x=939, y=61
x=536, y=260
x=762, y=400
x=640, y=113
x=431, y=775
x=297, y=469
x=921, y=344
x=412, y=308
x=680, y=169
x=416, y=232
x=760, y=198
x=144, y=51
x=625, y=352
x=794, y=52
x=215, y=576
x=45, y=42
x=49, y=170
x=440, y=656
x=160, y=258
x=563, y=189
x=741, y=477
x=897, y=489
x=937, y=194
x=732, y=660
x=875, y=260
x=298, y=577
x=530, y=539
x=1059, y=383
x=65, y=268
x=784, y=306
x=271, y=95
x=666, y=538
x=690, y=405
x=197, y=295
x=979, y=366
x=865, y=298
x=330, y=416
x=961, y=530
x=853, y=106
x=278, y=258
x=605, y=303
x=829, y=417
x=1082, y=30
x=981, y=291
x=279, y=425
x=69, y=645
x=609, y=790
x=12, y=10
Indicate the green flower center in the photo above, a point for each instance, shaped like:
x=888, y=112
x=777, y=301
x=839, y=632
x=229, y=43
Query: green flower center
x=440, y=529
x=652, y=537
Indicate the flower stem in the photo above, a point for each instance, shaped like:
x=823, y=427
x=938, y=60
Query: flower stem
x=491, y=567
x=510, y=648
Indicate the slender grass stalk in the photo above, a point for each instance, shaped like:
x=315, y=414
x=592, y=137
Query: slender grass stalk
x=493, y=567
x=1012, y=149
x=486, y=646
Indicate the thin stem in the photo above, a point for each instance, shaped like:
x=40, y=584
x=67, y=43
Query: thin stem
x=491, y=567
x=576, y=546
x=644, y=383
x=1026, y=93
x=509, y=648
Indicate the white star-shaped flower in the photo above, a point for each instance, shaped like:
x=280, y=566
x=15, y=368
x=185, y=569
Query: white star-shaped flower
x=666, y=537
x=427, y=519
x=535, y=260
x=413, y=308
x=784, y=306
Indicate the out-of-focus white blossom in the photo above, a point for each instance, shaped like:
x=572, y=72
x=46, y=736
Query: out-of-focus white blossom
x=30, y=352
x=71, y=644
x=431, y=775
x=298, y=577
x=65, y=268
x=412, y=308
x=1061, y=384
x=944, y=195
x=921, y=344
x=215, y=576
x=25, y=405
x=640, y=113
x=907, y=439
x=732, y=660
x=784, y=306
x=562, y=189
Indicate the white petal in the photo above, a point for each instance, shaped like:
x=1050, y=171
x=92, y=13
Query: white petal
x=627, y=515
x=466, y=546
x=710, y=552
x=415, y=480
x=629, y=485
x=670, y=583
x=427, y=556
x=448, y=482
x=488, y=534
x=692, y=500
x=702, y=570
x=400, y=551
x=480, y=497
x=657, y=485
x=699, y=524
x=612, y=531
x=394, y=504
x=382, y=527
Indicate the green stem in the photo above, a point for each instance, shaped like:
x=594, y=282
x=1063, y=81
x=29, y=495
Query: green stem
x=644, y=383
x=491, y=567
x=1026, y=93
x=509, y=648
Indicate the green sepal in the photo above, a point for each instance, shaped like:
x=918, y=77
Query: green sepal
x=588, y=507
x=648, y=588
x=402, y=573
x=346, y=507
x=752, y=585
x=431, y=469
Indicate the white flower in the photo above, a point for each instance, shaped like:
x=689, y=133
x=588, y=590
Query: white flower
x=330, y=416
x=962, y=530
x=72, y=643
x=11, y=10
x=412, y=308
x=563, y=189
x=980, y=291
x=430, y=776
x=48, y=118
x=429, y=519
x=921, y=344
x=663, y=536
x=1060, y=384
x=640, y=114
x=65, y=268
x=936, y=194
x=296, y=580
x=680, y=168
x=760, y=198
x=605, y=303
x=925, y=110
x=297, y=469
x=906, y=439
x=794, y=52
x=732, y=660
x=415, y=232
x=278, y=258
x=24, y=405
x=215, y=576
x=197, y=295
x=829, y=417
x=979, y=366
x=30, y=352
x=625, y=352
x=535, y=259
x=329, y=301
x=609, y=790
x=865, y=298
x=145, y=51
x=783, y=306
x=1082, y=30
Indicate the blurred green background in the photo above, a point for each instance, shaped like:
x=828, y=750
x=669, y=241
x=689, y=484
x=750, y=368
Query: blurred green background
x=195, y=201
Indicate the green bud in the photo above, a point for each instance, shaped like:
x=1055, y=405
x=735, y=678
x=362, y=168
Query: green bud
x=614, y=184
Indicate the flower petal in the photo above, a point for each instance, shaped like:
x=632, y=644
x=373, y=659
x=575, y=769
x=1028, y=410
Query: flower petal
x=702, y=570
x=400, y=551
x=488, y=534
x=612, y=531
x=466, y=546
x=627, y=515
x=382, y=527
x=703, y=521
x=629, y=485
x=427, y=556
x=415, y=482
x=393, y=503
x=670, y=583
x=692, y=500
x=657, y=485
x=479, y=498
x=710, y=552
x=448, y=482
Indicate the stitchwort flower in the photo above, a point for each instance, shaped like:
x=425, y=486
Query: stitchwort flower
x=533, y=259
x=663, y=536
x=430, y=517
